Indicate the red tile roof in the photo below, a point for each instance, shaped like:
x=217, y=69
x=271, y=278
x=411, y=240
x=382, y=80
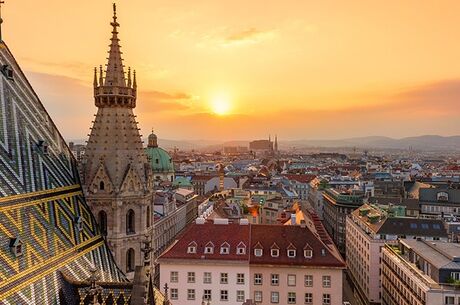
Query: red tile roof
x=218, y=234
x=255, y=236
x=300, y=178
x=292, y=237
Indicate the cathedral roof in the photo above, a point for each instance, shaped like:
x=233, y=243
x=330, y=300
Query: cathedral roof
x=46, y=224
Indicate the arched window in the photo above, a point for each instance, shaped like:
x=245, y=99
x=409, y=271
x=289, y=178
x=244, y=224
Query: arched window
x=130, y=260
x=101, y=185
x=148, y=216
x=102, y=220
x=130, y=225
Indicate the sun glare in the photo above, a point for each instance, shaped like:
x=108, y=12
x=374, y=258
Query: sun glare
x=220, y=105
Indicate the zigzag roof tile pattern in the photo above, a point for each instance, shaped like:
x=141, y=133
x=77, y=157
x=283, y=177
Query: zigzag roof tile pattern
x=48, y=236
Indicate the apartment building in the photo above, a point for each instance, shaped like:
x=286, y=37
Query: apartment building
x=418, y=272
x=368, y=229
x=270, y=264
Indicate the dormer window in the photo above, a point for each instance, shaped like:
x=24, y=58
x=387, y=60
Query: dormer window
x=191, y=249
x=16, y=247
x=323, y=252
x=225, y=248
x=7, y=71
x=79, y=223
x=209, y=249
x=291, y=253
x=308, y=253
x=241, y=249
x=258, y=252
x=274, y=250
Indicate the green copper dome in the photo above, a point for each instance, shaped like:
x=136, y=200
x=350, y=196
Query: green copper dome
x=159, y=159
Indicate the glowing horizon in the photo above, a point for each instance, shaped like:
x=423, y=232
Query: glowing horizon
x=226, y=70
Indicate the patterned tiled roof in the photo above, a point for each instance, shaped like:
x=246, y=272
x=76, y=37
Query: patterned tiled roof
x=42, y=208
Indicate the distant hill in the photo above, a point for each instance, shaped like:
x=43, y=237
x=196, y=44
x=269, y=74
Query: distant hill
x=426, y=142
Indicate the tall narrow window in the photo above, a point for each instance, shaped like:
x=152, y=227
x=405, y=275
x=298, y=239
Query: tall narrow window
x=102, y=220
x=130, y=226
x=148, y=217
x=101, y=185
x=130, y=260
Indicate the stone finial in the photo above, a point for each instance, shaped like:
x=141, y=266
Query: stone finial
x=95, y=77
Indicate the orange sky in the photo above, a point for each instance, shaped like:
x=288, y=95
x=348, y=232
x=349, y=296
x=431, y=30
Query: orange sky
x=301, y=69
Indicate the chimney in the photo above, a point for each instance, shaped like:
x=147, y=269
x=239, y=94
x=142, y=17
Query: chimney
x=244, y=221
x=293, y=219
x=221, y=221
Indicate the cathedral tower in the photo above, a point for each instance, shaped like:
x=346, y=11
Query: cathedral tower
x=116, y=174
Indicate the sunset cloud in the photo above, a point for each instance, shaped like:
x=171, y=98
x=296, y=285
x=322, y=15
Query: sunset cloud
x=248, y=36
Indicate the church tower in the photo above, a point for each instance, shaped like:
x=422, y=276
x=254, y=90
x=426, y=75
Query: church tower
x=116, y=174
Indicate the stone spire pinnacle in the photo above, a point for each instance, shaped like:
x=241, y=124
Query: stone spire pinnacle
x=114, y=90
x=1, y=20
x=115, y=75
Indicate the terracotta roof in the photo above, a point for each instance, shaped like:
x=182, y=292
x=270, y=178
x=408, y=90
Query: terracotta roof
x=292, y=237
x=300, y=178
x=218, y=234
x=254, y=237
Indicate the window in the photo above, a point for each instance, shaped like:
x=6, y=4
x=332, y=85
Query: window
x=308, y=298
x=326, y=299
x=455, y=276
x=291, y=279
x=275, y=279
x=191, y=277
x=102, y=220
x=240, y=296
x=130, y=225
x=130, y=260
x=291, y=253
x=225, y=248
x=190, y=294
x=101, y=185
x=224, y=278
x=174, y=277
x=258, y=252
x=209, y=249
x=275, y=252
x=224, y=295
x=275, y=297
x=147, y=217
x=326, y=281
x=291, y=297
x=258, y=296
x=308, y=280
x=207, y=278
x=240, y=278
x=7, y=71
x=308, y=253
x=174, y=293
x=258, y=279
x=207, y=294
x=191, y=249
x=448, y=300
x=241, y=249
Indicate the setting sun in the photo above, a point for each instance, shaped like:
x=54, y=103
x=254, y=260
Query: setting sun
x=220, y=105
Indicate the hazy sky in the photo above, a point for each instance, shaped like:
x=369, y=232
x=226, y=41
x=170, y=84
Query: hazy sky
x=301, y=69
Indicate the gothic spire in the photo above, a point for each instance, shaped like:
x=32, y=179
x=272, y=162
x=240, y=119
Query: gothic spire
x=115, y=90
x=115, y=75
